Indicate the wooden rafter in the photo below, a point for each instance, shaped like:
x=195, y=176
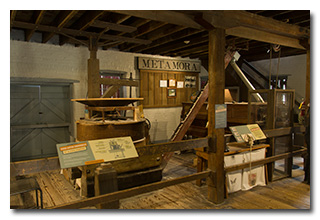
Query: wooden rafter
x=84, y=22
x=112, y=26
x=157, y=43
x=137, y=23
x=143, y=30
x=159, y=33
x=13, y=14
x=254, y=34
x=72, y=32
x=171, y=17
x=61, y=20
x=231, y=19
x=176, y=46
x=37, y=18
x=168, y=29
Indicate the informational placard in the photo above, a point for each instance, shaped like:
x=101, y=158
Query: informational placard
x=242, y=132
x=180, y=84
x=163, y=83
x=82, y=153
x=221, y=116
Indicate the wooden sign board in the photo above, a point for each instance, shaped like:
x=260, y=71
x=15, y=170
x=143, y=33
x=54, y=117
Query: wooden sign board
x=82, y=153
x=150, y=63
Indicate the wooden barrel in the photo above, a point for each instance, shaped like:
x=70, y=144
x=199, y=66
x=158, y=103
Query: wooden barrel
x=93, y=130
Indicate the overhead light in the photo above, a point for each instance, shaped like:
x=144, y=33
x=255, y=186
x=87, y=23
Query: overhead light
x=186, y=41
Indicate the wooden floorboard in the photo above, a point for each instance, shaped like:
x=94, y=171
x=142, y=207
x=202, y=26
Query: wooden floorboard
x=288, y=193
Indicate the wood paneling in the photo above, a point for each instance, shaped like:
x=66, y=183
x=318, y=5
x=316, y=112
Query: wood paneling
x=156, y=96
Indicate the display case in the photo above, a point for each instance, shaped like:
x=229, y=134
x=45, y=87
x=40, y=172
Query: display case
x=274, y=112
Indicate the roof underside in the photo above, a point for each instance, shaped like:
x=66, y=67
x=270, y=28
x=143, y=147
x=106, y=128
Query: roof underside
x=169, y=33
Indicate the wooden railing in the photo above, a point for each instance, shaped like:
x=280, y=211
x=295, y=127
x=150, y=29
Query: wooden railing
x=178, y=146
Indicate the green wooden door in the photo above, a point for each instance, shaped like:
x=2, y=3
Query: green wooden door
x=39, y=119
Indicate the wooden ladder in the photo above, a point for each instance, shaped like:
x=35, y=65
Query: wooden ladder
x=193, y=111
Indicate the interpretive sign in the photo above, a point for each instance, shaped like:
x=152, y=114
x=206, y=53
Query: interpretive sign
x=221, y=116
x=82, y=153
x=242, y=132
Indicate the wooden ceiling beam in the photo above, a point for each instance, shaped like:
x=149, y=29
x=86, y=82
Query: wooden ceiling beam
x=197, y=49
x=253, y=34
x=72, y=32
x=137, y=23
x=157, y=35
x=84, y=22
x=61, y=20
x=157, y=43
x=142, y=30
x=175, y=47
x=113, y=26
x=230, y=19
x=13, y=14
x=162, y=31
x=37, y=18
x=171, y=17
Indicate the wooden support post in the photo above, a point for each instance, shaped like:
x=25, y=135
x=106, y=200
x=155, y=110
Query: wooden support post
x=216, y=96
x=105, y=181
x=271, y=108
x=307, y=96
x=93, y=71
x=87, y=180
x=200, y=167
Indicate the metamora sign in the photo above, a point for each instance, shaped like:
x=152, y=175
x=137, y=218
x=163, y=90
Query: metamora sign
x=169, y=65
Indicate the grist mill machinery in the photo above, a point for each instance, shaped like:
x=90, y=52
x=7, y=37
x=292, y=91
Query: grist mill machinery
x=109, y=118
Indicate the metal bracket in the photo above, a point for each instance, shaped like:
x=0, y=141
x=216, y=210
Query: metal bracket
x=212, y=145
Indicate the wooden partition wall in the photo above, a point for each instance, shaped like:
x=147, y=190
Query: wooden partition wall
x=156, y=96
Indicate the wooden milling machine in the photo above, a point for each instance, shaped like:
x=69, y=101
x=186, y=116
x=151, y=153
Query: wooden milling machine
x=108, y=118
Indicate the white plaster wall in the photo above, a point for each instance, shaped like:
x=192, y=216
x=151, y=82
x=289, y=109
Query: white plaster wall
x=295, y=66
x=164, y=121
x=30, y=59
x=34, y=60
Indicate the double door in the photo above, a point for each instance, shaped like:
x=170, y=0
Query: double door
x=39, y=119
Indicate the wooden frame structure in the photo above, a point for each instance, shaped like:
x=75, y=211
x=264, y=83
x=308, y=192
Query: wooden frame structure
x=219, y=24
x=170, y=147
x=23, y=168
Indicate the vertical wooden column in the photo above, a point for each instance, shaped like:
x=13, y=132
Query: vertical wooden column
x=93, y=71
x=216, y=96
x=307, y=99
x=105, y=181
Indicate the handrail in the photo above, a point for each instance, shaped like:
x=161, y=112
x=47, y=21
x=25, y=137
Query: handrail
x=52, y=163
x=265, y=160
x=131, y=192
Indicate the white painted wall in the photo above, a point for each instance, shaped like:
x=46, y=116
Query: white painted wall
x=31, y=59
x=295, y=66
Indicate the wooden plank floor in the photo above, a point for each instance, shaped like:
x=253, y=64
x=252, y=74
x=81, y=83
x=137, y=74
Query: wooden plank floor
x=288, y=193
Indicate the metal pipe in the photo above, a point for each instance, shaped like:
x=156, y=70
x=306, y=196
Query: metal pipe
x=245, y=80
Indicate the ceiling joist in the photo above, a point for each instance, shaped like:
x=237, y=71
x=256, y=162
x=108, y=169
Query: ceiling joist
x=72, y=32
x=165, y=32
x=231, y=19
x=171, y=17
x=59, y=22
